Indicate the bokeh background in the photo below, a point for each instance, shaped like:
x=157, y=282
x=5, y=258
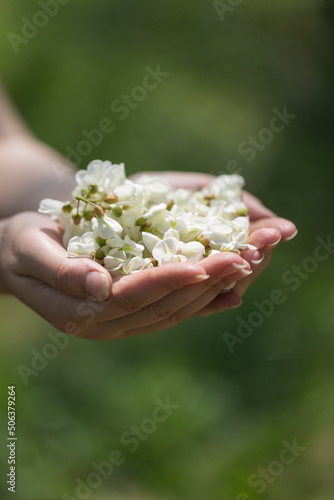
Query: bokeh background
x=236, y=409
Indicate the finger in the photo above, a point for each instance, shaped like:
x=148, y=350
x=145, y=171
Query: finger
x=286, y=228
x=264, y=238
x=189, y=180
x=41, y=255
x=184, y=302
x=132, y=293
x=255, y=207
x=223, y=271
x=222, y=302
x=230, y=302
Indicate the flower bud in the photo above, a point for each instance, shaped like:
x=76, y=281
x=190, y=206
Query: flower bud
x=67, y=208
x=88, y=215
x=111, y=198
x=93, y=188
x=100, y=241
x=98, y=212
x=117, y=211
x=77, y=219
x=201, y=239
x=170, y=204
x=141, y=221
x=242, y=212
x=99, y=254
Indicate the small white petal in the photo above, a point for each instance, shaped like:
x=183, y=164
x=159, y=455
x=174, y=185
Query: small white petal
x=170, y=258
x=51, y=207
x=134, y=265
x=193, y=251
x=82, y=245
x=150, y=240
x=106, y=227
x=168, y=246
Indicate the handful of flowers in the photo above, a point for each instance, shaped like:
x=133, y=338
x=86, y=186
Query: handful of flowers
x=129, y=226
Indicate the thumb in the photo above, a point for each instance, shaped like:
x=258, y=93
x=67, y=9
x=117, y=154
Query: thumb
x=47, y=261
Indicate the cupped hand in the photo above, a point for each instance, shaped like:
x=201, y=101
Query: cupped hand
x=266, y=231
x=79, y=296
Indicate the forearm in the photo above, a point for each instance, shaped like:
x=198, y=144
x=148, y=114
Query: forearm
x=29, y=169
x=11, y=122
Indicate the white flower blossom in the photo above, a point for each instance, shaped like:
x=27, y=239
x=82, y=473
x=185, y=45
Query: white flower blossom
x=106, y=227
x=168, y=250
x=102, y=173
x=171, y=249
x=132, y=248
x=129, y=226
x=82, y=246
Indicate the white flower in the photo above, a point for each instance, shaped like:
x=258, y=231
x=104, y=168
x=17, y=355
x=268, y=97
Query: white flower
x=168, y=250
x=226, y=186
x=174, y=233
x=158, y=218
x=106, y=227
x=115, y=241
x=192, y=251
x=134, y=233
x=102, y=173
x=130, y=216
x=147, y=221
x=150, y=240
x=125, y=193
x=132, y=248
x=114, y=262
x=218, y=233
x=136, y=264
x=119, y=264
x=156, y=190
x=52, y=207
x=82, y=246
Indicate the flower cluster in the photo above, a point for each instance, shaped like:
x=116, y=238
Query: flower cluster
x=128, y=226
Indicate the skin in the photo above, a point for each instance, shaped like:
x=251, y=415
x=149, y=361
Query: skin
x=35, y=268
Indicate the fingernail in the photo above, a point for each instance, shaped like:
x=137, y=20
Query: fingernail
x=293, y=236
x=275, y=243
x=258, y=260
x=198, y=278
x=239, y=266
x=97, y=286
x=286, y=226
x=229, y=287
x=245, y=272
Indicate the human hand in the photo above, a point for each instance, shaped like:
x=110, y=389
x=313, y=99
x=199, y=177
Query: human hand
x=79, y=296
x=266, y=231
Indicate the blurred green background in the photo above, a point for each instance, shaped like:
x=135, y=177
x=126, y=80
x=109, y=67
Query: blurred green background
x=236, y=409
